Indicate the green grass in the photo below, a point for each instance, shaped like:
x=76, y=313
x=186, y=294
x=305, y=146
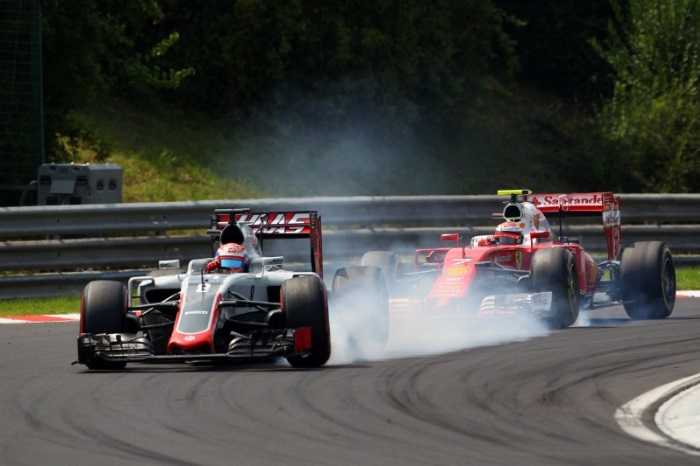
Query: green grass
x=38, y=306
x=687, y=278
x=164, y=156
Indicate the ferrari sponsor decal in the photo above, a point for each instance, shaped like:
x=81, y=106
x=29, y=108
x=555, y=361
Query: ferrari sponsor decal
x=457, y=270
x=448, y=288
x=611, y=218
x=570, y=199
x=503, y=257
x=518, y=258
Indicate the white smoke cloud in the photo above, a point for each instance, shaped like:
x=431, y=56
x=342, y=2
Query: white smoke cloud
x=413, y=336
x=359, y=328
x=420, y=333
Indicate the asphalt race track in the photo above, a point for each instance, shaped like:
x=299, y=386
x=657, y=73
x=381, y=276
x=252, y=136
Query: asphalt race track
x=539, y=400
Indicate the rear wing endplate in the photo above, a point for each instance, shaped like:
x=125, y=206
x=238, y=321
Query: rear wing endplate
x=591, y=204
x=275, y=225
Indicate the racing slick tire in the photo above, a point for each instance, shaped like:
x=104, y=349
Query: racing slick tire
x=554, y=269
x=103, y=310
x=362, y=300
x=304, y=304
x=388, y=262
x=648, y=280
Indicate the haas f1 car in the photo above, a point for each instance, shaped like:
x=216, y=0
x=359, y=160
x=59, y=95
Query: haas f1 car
x=238, y=306
x=526, y=266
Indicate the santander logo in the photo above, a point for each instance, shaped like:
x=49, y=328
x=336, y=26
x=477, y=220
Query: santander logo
x=567, y=199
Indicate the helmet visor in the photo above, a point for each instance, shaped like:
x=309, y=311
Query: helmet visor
x=232, y=263
x=508, y=238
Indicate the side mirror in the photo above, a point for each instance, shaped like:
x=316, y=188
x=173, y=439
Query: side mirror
x=450, y=237
x=169, y=264
x=540, y=234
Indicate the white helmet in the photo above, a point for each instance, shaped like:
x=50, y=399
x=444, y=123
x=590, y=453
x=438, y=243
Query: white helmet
x=509, y=233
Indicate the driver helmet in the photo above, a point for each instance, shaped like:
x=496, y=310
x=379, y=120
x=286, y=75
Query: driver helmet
x=233, y=256
x=509, y=233
x=486, y=241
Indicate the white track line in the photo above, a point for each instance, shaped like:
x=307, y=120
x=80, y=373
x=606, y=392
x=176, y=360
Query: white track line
x=631, y=415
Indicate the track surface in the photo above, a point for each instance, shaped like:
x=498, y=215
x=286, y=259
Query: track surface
x=540, y=400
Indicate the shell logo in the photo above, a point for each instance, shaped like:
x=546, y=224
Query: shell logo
x=457, y=270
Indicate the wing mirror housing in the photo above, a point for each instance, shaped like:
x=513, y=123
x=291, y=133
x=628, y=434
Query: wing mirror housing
x=450, y=237
x=540, y=234
x=169, y=264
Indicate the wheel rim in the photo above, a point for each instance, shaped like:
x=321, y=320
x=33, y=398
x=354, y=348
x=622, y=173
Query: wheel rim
x=572, y=288
x=668, y=282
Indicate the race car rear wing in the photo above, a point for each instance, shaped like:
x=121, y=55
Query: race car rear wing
x=275, y=225
x=592, y=204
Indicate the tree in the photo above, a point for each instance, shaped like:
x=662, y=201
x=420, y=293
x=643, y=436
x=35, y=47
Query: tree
x=653, y=117
x=400, y=59
x=553, y=44
x=93, y=49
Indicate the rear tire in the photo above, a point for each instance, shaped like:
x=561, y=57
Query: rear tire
x=388, y=262
x=357, y=290
x=305, y=305
x=554, y=269
x=648, y=280
x=103, y=310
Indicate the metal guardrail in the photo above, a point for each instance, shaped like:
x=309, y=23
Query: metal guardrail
x=368, y=211
x=56, y=241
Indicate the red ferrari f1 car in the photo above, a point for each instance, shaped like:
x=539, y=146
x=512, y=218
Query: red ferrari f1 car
x=525, y=266
x=237, y=306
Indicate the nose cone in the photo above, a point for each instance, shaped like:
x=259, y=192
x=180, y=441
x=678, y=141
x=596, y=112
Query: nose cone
x=200, y=343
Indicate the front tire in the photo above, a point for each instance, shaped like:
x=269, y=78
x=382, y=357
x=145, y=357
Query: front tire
x=648, y=280
x=554, y=269
x=304, y=304
x=103, y=310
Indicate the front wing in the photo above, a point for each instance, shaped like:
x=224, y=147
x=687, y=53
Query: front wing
x=536, y=304
x=261, y=346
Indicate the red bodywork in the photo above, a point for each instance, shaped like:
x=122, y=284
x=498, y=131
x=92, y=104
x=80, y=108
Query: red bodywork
x=457, y=265
x=587, y=205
